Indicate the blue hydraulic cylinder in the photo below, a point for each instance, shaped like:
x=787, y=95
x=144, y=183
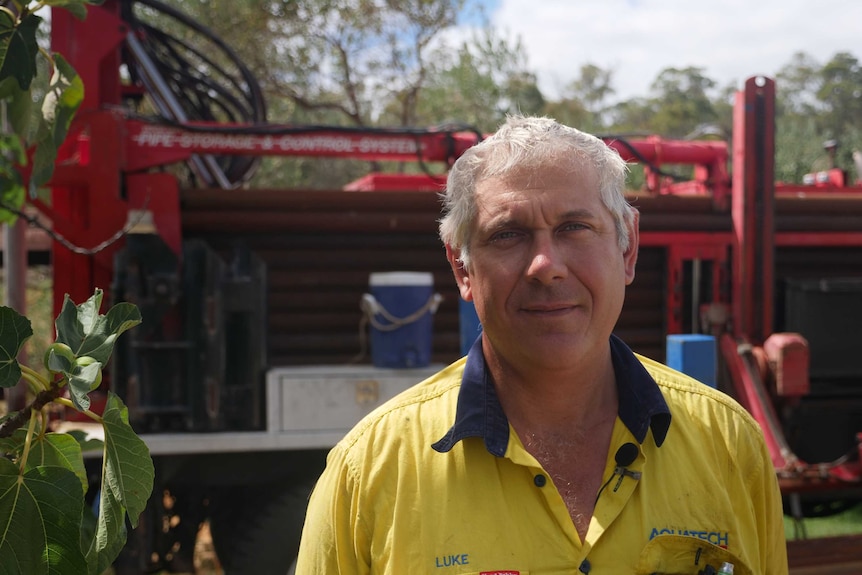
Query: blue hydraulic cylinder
x=469, y=323
x=694, y=355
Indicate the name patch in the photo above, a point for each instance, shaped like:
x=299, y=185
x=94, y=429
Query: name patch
x=452, y=560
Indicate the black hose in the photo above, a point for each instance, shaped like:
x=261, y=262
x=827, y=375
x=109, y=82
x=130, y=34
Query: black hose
x=209, y=92
x=205, y=89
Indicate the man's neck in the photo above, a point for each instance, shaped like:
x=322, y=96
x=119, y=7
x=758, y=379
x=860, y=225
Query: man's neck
x=574, y=400
x=565, y=421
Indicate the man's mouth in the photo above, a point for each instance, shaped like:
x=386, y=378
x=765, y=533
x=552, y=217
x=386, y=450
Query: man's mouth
x=549, y=308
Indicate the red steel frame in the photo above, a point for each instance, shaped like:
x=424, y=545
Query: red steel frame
x=102, y=174
x=753, y=209
x=101, y=170
x=754, y=241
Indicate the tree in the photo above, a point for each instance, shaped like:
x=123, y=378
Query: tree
x=797, y=85
x=681, y=101
x=321, y=55
x=583, y=100
x=592, y=89
x=480, y=82
x=333, y=64
x=840, y=91
x=814, y=104
x=593, y=86
x=522, y=91
x=632, y=116
x=571, y=112
x=38, y=118
x=798, y=148
x=44, y=525
x=321, y=62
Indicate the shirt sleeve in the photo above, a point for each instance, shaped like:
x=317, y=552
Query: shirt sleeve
x=334, y=540
x=770, y=514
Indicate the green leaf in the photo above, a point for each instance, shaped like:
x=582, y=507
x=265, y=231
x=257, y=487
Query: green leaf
x=20, y=112
x=110, y=535
x=89, y=521
x=11, y=146
x=127, y=482
x=15, y=329
x=69, y=322
x=13, y=445
x=88, y=333
x=81, y=382
x=12, y=155
x=128, y=466
x=12, y=193
x=58, y=450
x=58, y=362
x=18, y=48
x=65, y=94
x=86, y=442
x=9, y=86
x=40, y=521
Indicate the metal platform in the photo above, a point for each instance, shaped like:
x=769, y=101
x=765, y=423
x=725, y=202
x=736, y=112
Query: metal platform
x=310, y=407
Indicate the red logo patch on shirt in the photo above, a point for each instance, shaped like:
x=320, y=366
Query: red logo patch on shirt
x=499, y=573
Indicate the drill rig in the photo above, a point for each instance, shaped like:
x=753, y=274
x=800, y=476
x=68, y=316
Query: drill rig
x=244, y=372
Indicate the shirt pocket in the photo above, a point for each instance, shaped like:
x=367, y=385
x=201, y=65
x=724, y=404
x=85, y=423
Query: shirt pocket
x=684, y=555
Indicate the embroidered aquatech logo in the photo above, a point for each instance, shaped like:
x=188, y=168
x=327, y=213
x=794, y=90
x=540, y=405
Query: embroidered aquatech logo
x=719, y=538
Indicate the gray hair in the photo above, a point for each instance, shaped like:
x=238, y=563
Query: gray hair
x=525, y=142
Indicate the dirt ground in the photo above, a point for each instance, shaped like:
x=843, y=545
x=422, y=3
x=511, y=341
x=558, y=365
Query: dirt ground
x=206, y=562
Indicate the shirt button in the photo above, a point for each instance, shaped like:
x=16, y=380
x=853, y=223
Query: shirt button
x=585, y=566
x=540, y=480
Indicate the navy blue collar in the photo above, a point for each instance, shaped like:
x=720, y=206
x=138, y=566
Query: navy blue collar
x=479, y=413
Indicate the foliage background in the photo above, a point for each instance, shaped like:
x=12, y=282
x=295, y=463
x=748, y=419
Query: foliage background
x=39, y=310
x=385, y=63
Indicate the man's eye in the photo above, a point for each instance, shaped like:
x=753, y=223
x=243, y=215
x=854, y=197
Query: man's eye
x=574, y=226
x=506, y=235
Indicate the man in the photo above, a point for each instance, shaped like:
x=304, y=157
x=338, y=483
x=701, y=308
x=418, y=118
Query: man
x=551, y=448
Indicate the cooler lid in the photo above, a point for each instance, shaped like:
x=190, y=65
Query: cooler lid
x=401, y=279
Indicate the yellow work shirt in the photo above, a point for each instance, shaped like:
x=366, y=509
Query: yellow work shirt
x=436, y=481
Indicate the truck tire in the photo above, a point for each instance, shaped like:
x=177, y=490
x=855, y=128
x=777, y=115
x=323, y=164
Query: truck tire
x=256, y=530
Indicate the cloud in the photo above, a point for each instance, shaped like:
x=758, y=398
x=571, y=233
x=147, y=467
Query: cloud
x=730, y=40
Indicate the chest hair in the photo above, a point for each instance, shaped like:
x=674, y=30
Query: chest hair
x=575, y=463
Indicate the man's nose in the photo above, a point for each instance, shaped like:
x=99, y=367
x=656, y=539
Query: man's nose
x=547, y=263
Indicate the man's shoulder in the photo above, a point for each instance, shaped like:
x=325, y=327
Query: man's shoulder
x=702, y=415
x=430, y=404
x=685, y=394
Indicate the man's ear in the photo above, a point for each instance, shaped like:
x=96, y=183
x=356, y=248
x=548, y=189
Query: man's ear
x=630, y=256
x=462, y=276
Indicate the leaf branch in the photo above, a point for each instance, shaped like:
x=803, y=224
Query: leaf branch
x=34, y=377
x=33, y=384
x=69, y=403
x=18, y=420
x=28, y=441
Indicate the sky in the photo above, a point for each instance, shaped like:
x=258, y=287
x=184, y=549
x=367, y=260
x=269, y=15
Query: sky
x=730, y=40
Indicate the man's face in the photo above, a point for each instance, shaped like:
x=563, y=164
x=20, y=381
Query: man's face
x=546, y=273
